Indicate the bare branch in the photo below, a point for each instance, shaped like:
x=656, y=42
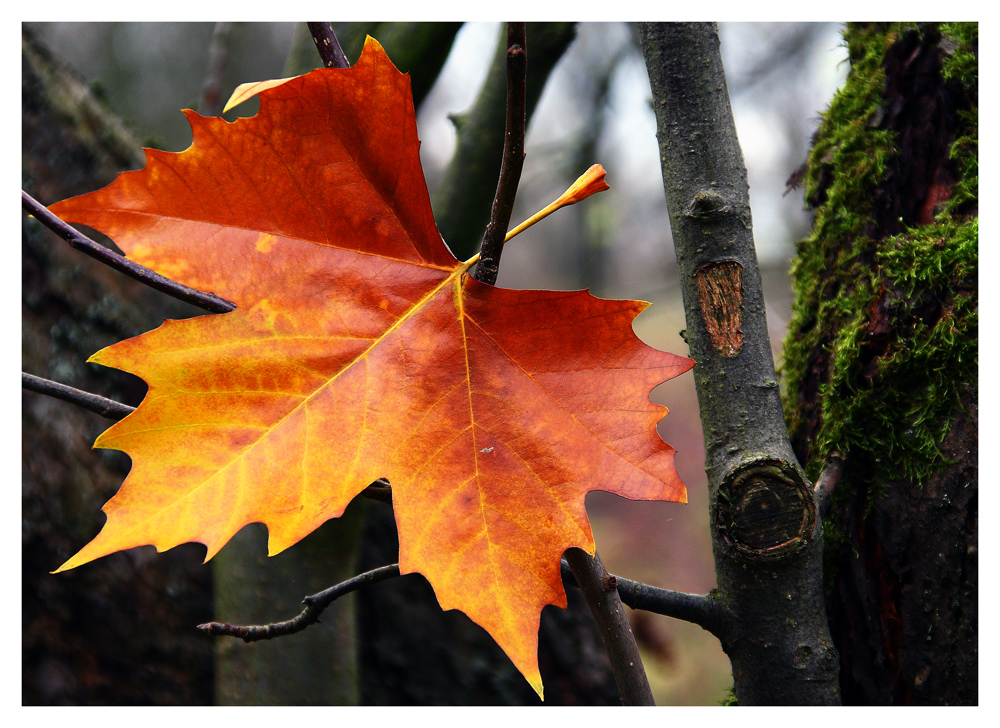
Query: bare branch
x=328, y=45
x=827, y=482
x=76, y=239
x=513, y=156
x=95, y=403
x=601, y=592
x=700, y=609
x=462, y=198
x=314, y=606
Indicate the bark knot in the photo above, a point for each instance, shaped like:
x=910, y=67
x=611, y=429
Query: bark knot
x=709, y=204
x=765, y=509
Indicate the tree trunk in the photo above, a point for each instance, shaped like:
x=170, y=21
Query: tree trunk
x=119, y=631
x=315, y=667
x=881, y=361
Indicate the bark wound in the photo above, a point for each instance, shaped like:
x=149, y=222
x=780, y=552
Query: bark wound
x=720, y=300
x=765, y=509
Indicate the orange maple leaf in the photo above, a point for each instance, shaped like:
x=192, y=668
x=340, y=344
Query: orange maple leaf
x=359, y=349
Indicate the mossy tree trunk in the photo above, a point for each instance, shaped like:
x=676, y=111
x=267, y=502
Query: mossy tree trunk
x=881, y=361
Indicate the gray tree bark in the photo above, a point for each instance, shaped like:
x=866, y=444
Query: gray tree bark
x=767, y=538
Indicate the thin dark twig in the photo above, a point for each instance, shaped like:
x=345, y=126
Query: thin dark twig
x=601, y=592
x=314, y=606
x=95, y=403
x=513, y=156
x=76, y=239
x=690, y=607
x=328, y=45
x=700, y=609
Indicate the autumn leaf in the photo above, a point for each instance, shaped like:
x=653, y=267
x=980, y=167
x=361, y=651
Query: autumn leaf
x=361, y=348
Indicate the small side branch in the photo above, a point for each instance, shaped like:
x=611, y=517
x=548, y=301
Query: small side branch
x=95, y=403
x=513, y=156
x=827, y=482
x=328, y=45
x=208, y=301
x=314, y=607
x=700, y=609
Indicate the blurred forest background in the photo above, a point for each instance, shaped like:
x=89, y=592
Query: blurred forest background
x=595, y=109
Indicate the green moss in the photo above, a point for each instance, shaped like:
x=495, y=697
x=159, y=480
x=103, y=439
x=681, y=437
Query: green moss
x=962, y=64
x=961, y=67
x=896, y=318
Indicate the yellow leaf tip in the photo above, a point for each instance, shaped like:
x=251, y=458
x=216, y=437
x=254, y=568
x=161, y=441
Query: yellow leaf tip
x=536, y=685
x=238, y=97
x=246, y=91
x=70, y=563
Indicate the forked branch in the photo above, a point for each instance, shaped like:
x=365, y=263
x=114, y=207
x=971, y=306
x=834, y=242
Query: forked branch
x=513, y=156
x=699, y=609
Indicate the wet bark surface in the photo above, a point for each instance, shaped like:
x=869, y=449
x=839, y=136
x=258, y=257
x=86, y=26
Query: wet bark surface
x=904, y=606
